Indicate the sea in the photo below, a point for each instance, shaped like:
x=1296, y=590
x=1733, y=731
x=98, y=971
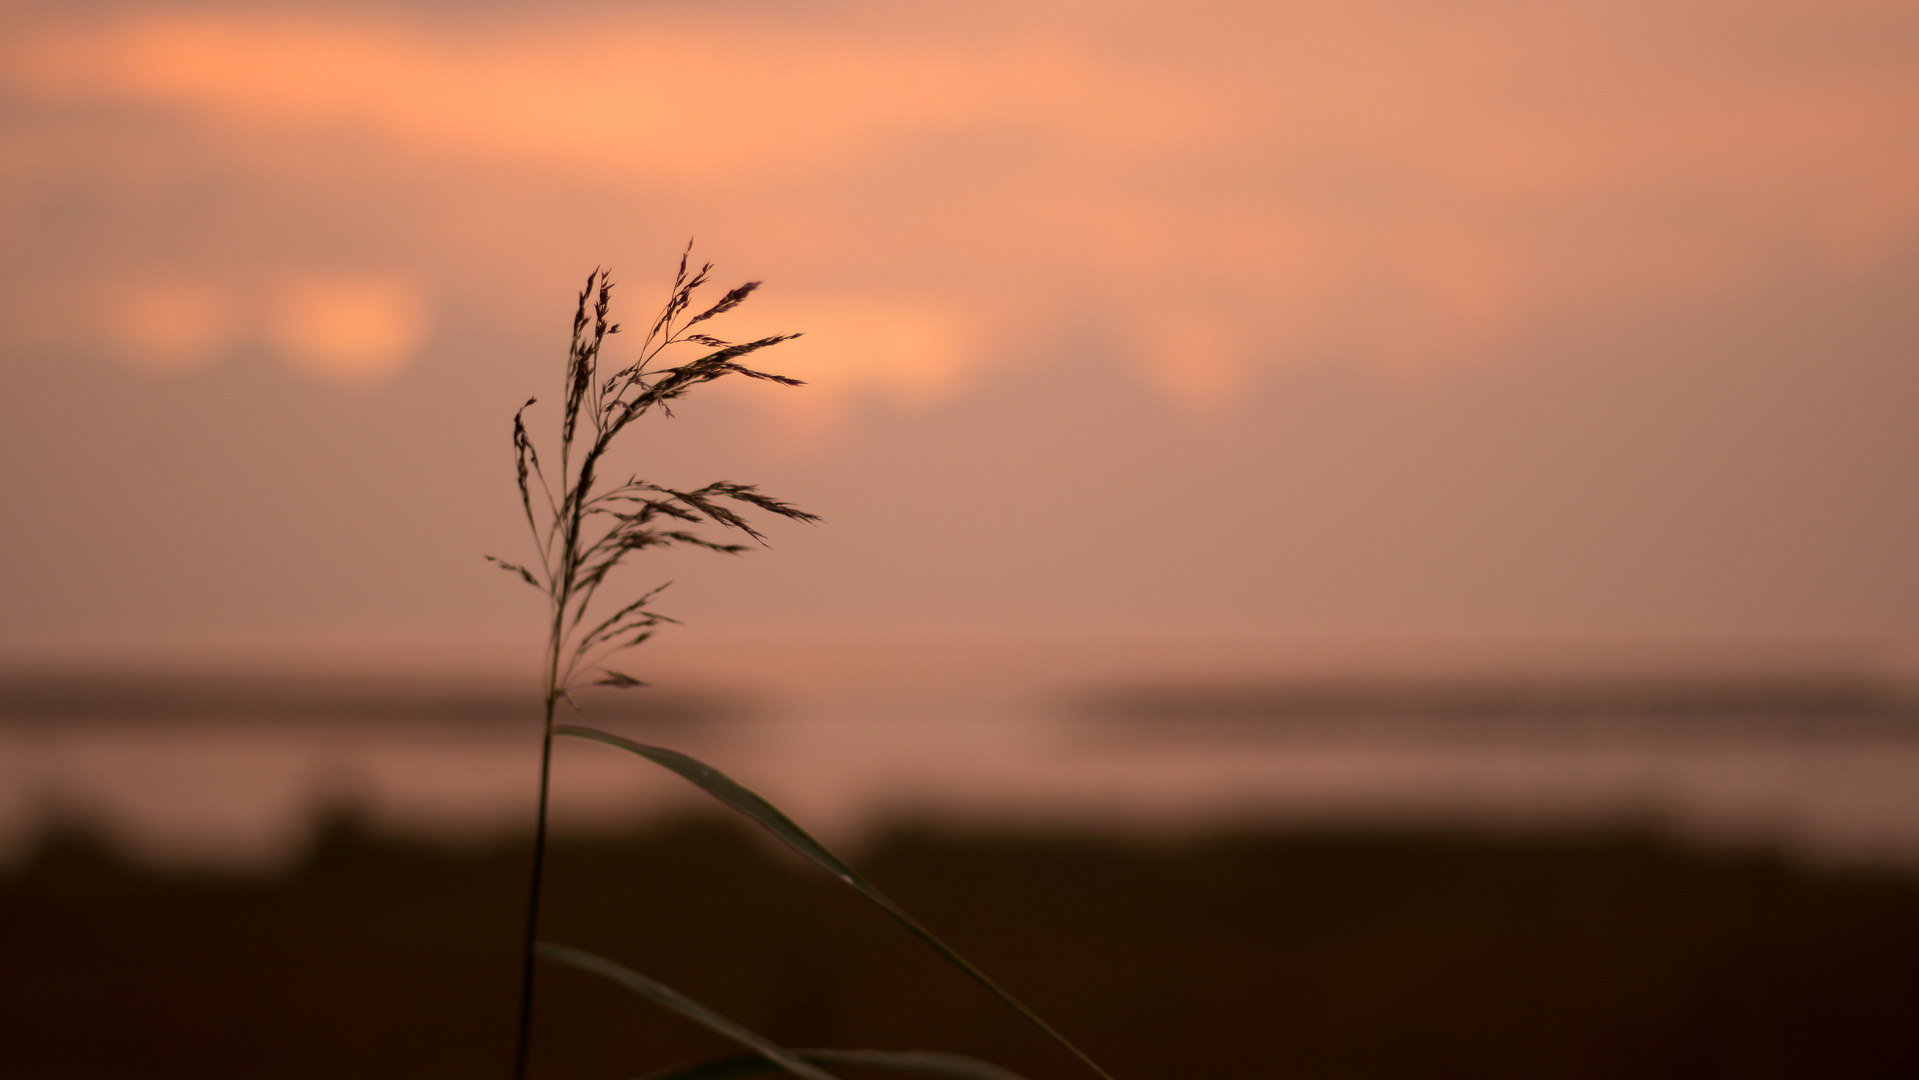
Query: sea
x=1810, y=751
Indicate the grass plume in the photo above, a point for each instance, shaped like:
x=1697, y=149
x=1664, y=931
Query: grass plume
x=584, y=530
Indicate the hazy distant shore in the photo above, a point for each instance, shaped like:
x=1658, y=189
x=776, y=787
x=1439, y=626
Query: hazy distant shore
x=239, y=768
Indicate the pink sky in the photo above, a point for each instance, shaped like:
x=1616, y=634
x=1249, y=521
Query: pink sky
x=1373, y=318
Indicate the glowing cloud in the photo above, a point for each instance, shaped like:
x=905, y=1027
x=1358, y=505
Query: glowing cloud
x=641, y=97
x=172, y=326
x=913, y=352
x=1380, y=181
x=352, y=330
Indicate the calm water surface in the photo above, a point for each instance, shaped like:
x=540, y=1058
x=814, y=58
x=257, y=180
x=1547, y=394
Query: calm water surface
x=241, y=773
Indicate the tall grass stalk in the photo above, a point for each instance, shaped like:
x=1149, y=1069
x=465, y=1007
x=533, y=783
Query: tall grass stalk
x=582, y=534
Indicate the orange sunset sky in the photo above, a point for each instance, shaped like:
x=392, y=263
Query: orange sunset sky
x=1378, y=318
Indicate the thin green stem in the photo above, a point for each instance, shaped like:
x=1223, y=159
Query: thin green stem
x=527, y=957
x=574, y=567
x=524, y=1043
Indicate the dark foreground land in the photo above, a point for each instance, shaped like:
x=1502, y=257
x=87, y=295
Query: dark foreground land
x=1242, y=956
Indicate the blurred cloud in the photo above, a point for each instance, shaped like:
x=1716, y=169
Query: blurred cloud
x=350, y=330
x=1192, y=358
x=1377, y=315
x=170, y=326
x=906, y=352
x=347, y=329
x=1379, y=181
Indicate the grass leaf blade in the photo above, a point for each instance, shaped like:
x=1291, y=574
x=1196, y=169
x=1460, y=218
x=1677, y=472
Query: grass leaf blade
x=727, y=1068
x=669, y=998
x=769, y=817
x=925, y=1062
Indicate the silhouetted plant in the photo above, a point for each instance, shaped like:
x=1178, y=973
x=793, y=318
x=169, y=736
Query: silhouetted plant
x=582, y=537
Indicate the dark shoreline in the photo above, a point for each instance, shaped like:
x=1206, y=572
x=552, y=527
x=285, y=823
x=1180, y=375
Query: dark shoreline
x=1356, y=954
